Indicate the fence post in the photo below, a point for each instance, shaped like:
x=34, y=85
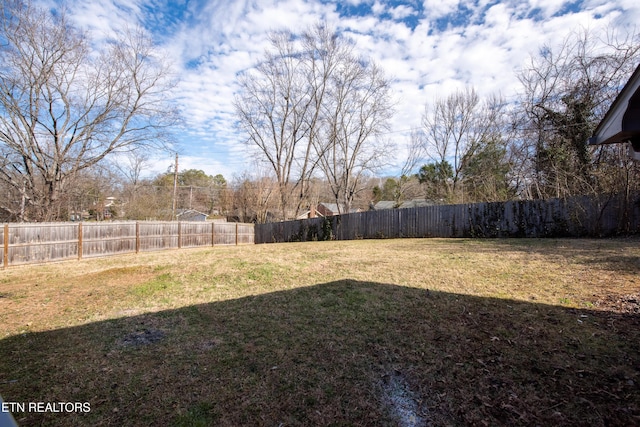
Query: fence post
x=79, y=240
x=236, y=234
x=5, y=260
x=179, y=235
x=137, y=237
x=213, y=233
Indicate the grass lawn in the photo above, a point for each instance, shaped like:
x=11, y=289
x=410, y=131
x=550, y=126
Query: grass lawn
x=413, y=332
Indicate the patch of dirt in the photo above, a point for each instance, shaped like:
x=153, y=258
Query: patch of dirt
x=143, y=337
x=402, y=402
x=628, y=304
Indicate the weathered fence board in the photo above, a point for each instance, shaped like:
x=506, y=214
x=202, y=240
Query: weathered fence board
x=46, y=242
x=575, y=217
x=225, y=234
x=43, y=242
x=195, y=234
x=245, y=234
x=155, y=236
x=103, y=239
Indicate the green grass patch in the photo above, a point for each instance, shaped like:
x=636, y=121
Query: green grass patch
x=160, y=284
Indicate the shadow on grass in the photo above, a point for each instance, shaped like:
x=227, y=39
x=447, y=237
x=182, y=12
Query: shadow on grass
x=341, y=353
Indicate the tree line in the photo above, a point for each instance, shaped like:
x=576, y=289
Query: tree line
x=78, y=119
x=467, y=148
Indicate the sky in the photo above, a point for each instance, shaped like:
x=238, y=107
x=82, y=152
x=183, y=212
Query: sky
x=428, y=49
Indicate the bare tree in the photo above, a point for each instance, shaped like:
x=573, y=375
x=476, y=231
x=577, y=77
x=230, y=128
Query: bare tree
x=567, y=91
x=132, y=166
x=65, y=107
x=456, y=129
x=272, y=105
x=414, y=153
x=129, y=169
x=324, y=54
x=93, y=192
x=254, y=196
x=408, y=183
x=355, y=118
x=290, y=100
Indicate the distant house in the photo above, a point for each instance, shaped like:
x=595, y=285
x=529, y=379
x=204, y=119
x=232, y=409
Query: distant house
x=79, y=215
x=102, y=209
x=306, y=214
x=191, y=215
x=110, y=205
x=416, y=203
x=390, y=204
x=621, y=124
x=331, y=209
x=327, y=209
x=384, y=204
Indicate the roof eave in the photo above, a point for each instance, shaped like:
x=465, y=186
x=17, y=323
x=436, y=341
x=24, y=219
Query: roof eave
x=618, y=107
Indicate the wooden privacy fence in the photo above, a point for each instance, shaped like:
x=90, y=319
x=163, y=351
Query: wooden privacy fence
x=43, y=242
x=574, y=217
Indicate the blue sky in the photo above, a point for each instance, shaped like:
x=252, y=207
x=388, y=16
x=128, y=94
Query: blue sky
x=428, y=48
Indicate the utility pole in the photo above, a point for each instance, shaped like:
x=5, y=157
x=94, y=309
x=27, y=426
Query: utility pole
x=175, y=189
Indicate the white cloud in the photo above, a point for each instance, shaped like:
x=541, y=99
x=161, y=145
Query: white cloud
x=221, y=38
x=105, y=17
x=401, y=12
x=438, y=8
x=378, y=8
x=547, y=7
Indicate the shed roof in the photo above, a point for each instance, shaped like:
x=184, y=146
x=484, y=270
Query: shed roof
x=191, y=214
x=333, y=207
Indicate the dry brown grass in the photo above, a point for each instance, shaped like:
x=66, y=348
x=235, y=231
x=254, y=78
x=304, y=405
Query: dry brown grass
x=495, y=332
